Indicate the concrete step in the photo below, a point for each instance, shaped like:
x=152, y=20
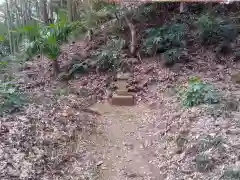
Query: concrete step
x=121, y=100
x=122, y=92
x=121, y=84
x=123, y=76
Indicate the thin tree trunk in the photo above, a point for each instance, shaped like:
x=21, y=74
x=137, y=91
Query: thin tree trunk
x=51, y=10
x=133, y=42
x=182, y=7
x=37, y=9
x=8, y=26
x=69, y=8
x=43, y=4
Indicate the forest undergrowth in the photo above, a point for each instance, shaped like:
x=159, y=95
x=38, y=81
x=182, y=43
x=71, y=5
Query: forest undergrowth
x=188, y=61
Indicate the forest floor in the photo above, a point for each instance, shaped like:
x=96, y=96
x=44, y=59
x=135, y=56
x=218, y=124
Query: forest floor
x=70, y=131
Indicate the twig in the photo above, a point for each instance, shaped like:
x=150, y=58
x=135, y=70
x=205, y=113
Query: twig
x=139, y=57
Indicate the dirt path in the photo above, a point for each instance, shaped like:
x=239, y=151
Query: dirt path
x=126, y=148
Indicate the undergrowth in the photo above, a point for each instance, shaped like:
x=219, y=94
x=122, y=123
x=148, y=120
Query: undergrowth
x=214, y=31
x=161, y=39
x=172, y=56
x=10, y=97
x=109, y=56
x=197, y=92
x=231, y=174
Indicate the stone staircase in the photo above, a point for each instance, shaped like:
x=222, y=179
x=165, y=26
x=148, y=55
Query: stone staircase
x=122, y=97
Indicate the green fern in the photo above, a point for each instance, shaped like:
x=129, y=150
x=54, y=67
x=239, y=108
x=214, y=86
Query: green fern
x=109, y=57
x=10, y=97
x=172, y=56
x=198, y=92
x=213, y=31
x=164, y=38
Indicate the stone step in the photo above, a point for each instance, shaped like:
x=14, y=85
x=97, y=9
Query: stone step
x=120, y=100
x=121, y=84
x=123, y=76
x=122, y=92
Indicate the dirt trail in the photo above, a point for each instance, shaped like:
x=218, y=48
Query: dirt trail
x=126, y=148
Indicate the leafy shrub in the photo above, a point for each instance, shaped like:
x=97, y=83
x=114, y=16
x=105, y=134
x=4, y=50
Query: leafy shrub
x=204, y=163
x=3, y=65
x=231, y=174
x=213, y=31
x=10, y=97
x=4, y=47
x=172, y=56
x=145, y=11
x=97, y=12
x=109, y=57
x=164, y=38
x=198, y=92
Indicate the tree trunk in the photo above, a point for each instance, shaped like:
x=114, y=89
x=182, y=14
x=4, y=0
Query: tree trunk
x=69, y=8
x=37, y=9
x=44, y=13
x=51, y=10
x=8, y=26
x=182, y=7
x=133, y=42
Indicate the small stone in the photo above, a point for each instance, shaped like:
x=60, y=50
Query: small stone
x=99, y=163
x=130, y=174
x=85, y=82
x=13, y=172
x=149, y=69
x=130, y=145
x=178, y=150
x=64, y=114
x=234, y=131
x=147, y=143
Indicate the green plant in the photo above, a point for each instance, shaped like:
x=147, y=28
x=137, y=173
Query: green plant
x=4, y=46
x=10, y=97
x=213, y=31
x=172, y=56
x=164, y=38
x=47, y=39
x=231, y=174
x=97, y=12
x=109, y=57
x=198, y=92
x=204, y=163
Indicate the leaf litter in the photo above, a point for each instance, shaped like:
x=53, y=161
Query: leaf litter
x=53, y=138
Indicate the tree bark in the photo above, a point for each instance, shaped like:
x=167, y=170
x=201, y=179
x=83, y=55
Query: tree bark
x=37, y=9
x=69, y=8
x=182, y=7
x=44, y=11
x=51, y=10
x=133, y=42
x=8, y=26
